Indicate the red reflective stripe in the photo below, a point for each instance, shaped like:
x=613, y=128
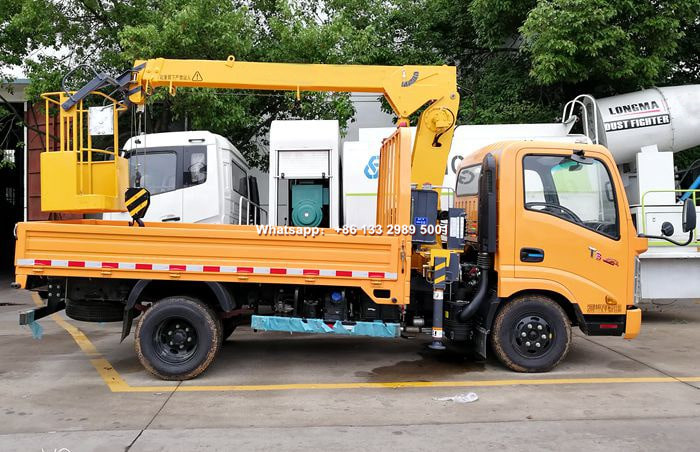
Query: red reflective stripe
x=217, y=269
x=608, y=326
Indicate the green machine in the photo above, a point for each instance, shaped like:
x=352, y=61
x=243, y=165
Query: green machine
x=309, y=202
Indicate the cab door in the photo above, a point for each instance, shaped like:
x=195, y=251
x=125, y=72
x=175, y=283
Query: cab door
x=200, y=192
x=568, y=229
x=159, y=169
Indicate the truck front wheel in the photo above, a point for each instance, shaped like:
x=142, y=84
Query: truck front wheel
x=177, y=338
x=531, y=334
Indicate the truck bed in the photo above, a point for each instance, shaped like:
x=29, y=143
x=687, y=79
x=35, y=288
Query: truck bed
x=223, y=253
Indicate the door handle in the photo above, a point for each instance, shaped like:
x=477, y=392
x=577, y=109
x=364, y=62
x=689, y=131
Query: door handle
x=531, y=255
x=170, y=218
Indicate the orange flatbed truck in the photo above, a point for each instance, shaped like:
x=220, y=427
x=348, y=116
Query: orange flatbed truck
x=540, y=238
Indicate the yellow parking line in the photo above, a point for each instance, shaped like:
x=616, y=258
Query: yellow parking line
x=117, y=384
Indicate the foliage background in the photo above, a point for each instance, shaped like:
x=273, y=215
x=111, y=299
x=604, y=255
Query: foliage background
x=518, y=60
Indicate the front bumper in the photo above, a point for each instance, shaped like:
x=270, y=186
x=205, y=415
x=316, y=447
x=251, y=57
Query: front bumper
x=626, y=325
x=633, y=322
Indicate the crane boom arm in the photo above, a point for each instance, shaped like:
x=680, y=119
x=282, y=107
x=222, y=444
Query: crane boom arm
x=406, y=88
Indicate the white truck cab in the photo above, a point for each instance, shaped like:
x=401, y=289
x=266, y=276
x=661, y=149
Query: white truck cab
x=193, y=177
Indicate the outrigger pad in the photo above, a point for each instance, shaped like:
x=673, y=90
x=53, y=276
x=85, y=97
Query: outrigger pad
x=137, y=200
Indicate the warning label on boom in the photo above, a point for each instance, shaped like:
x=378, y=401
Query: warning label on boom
x=197, y=77
x=636, y=123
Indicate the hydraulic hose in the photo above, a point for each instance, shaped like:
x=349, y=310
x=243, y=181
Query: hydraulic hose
x=484, y=264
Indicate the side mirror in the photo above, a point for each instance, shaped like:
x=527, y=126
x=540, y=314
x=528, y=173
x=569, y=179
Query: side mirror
x=689, y=223
x=689, y=215
x=667, y=229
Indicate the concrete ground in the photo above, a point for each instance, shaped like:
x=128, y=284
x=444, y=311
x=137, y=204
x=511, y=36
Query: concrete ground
x=79, y=389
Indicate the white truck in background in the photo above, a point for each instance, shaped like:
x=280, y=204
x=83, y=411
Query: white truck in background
x=360, y=160
x=193, y=177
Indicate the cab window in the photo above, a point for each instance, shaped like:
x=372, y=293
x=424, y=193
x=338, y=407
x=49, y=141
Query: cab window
x=240, y=181
x=576, y=190
x=195, y=166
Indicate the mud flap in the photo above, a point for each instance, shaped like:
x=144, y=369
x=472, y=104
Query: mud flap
x=481, y=339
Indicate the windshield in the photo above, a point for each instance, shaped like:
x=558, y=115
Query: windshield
x=156, y=171
x=166, y=169
x=581, y=193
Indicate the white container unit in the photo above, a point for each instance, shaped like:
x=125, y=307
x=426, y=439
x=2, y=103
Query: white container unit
x=304, y=152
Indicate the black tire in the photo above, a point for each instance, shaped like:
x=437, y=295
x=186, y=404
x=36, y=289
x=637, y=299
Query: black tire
x=228, y=327
x=531, y=333
x=196, y=333
x=94, y=311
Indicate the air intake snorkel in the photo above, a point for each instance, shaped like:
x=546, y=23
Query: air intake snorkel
x=487, y=234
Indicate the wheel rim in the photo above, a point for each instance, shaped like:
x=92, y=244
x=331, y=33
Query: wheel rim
x=175, y=340
x=532, y=336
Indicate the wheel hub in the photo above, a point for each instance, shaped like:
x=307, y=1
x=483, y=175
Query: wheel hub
x=532, y=336
x=179, y=337
x=175, y=340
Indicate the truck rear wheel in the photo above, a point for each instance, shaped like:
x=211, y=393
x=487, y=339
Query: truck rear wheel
x=531, y=334
x=178, y=338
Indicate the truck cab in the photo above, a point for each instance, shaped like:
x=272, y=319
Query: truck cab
x=565, y=243
x=193, y=177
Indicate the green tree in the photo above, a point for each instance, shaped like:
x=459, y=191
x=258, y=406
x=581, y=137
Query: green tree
x=518, y=60
x=109, y=37
x=619, y=44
